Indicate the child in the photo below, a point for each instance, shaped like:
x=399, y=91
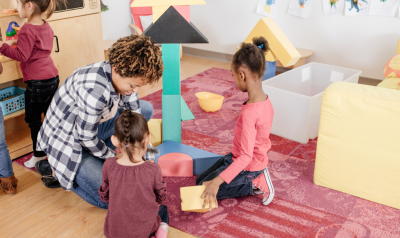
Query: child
x=132, y=187
x=245, y=169
x=35, y=44
x=7, y=178
x=80, y=121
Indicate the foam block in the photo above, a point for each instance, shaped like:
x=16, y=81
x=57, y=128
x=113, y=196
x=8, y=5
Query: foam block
x=172, y=69
x=202, y=160
x=176, y=165
x=358, y=142
x=172, y=28
x=183, y=10
x=154, y=3
x=171, y=116
x=270, y=70
x=280, y=45
x=191, y=201
x=186, y=114
x=155, y=127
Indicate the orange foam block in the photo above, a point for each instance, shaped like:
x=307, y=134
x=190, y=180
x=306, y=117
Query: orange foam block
x=176, y=165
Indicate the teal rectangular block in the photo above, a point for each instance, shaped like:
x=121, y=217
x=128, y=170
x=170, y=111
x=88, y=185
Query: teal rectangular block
x=172, y=69
x=171, y=116
x=186, y=114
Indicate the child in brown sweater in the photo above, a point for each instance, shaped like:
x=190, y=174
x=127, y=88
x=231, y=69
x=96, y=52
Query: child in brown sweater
x=133, y=188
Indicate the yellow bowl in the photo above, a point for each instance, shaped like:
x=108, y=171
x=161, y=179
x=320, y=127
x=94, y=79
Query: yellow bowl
x=210, y=102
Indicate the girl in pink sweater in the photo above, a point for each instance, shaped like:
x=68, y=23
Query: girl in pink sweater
x=35, y=44
x=244, y=171
x=133, y=188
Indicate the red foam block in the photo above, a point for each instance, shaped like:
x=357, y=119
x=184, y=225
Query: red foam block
x=176, y=164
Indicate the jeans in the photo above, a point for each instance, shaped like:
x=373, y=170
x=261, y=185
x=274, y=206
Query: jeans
x=6, y=169
x=241, y=185
x=88, y=177
x=163, y=213
x=38, y=96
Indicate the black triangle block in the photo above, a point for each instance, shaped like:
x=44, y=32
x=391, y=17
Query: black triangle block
x=173, y=28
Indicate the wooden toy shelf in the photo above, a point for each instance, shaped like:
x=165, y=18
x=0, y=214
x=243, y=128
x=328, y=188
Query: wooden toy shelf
x=78, y=42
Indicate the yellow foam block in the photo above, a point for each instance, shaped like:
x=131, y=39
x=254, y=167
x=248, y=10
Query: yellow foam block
x=280, y=45
x=358, y=148
x=392, y=83
x=158, y=11
x=191, y=201
x=269, y=56
x=155, y=3
x=155, y=127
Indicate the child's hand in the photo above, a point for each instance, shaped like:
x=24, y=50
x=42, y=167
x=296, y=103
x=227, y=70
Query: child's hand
x=211, y=190
x=11, y=42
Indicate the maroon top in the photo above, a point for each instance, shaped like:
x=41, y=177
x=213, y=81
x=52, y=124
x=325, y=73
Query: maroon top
x=134, y=194
x=34, y=47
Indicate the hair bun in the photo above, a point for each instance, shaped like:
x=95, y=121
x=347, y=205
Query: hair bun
x=261, y=43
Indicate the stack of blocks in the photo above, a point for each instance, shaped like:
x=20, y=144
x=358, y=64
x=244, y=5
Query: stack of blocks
x=281, y=48
x=171, y=26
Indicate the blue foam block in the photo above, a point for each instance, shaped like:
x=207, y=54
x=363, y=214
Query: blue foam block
x=202, y=160
x=270, y=70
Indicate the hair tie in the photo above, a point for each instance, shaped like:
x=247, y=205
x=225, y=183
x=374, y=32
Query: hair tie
x=261, y=46
x=126, y=146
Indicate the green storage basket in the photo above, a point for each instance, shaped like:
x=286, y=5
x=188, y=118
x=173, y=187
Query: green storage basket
x=13, y=104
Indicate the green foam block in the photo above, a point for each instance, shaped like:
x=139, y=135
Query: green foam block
x=172, y=69
x=171, y=115
x=186, y=114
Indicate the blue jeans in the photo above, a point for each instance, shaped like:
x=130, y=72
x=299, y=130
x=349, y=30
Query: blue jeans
x=241, y=185
x=6, y=169
x=88, y=177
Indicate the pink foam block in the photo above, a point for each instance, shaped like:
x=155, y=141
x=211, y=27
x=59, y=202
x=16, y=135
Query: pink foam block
x=176, y=164
x=184, y=11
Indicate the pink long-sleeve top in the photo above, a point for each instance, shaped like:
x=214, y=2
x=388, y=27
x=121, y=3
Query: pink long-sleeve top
x=251, y=139
x=133, y=194
x=35, y=44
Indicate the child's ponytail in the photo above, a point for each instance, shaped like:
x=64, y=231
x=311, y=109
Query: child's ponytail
x=44, y=7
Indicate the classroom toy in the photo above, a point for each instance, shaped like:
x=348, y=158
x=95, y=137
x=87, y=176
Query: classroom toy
x=158, y=3
x=210, y=102
x=176, y=165
x=12, y=32
x=202, y=160
x=183, y=10
x=171, y=106
x=155, y=128
x=281, y=48
x=192, y=201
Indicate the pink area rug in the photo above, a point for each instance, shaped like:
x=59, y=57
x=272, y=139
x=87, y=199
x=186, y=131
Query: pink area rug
x=300, y=208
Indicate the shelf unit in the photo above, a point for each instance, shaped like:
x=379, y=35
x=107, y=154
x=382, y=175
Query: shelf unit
x=80, y=42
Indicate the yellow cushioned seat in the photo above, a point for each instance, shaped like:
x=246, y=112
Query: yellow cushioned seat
x=358, y=149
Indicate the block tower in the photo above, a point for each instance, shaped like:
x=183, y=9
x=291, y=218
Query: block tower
x=281, y=48
x=172, y=26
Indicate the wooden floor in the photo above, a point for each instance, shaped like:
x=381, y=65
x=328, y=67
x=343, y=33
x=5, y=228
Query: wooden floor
x=36, y=211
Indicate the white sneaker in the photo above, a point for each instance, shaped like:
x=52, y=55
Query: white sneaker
x=31, y=163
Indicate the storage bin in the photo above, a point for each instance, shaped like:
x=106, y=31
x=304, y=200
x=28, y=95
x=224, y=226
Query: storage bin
x=296, y=98
x=13, y=104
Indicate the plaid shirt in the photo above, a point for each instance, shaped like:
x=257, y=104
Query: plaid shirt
x=73, y=117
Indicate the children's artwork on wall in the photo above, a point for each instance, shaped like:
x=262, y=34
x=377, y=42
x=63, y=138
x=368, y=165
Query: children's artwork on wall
x=299, y=8
x=357, y=7
x=268, y=8
x=383, y=7
x=333, y=7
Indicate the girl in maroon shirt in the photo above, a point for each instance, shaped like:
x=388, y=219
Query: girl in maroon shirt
x=34, y=46
x=133, y=188
x=244, y=171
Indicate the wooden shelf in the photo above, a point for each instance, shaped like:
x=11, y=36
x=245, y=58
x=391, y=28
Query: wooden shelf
x=19, y=143
x=14, y=114
x=8, y=15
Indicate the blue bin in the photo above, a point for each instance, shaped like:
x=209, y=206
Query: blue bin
x=13, y=104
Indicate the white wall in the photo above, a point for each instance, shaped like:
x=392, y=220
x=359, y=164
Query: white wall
x=365, y=42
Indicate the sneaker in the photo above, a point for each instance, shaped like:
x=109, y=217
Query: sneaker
x=32, y=162
x=43, y=168
x=9, y=184
x=264, y=184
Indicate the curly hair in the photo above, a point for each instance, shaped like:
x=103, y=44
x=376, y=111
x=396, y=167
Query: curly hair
x=131, y=129
x=137, y=56
x=252, y=56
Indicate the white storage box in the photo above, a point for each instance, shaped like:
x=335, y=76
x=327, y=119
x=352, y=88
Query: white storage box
x=296, y=97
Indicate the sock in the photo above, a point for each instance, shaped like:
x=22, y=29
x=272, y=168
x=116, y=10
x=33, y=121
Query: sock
x=31, y=163
x=162, y=231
